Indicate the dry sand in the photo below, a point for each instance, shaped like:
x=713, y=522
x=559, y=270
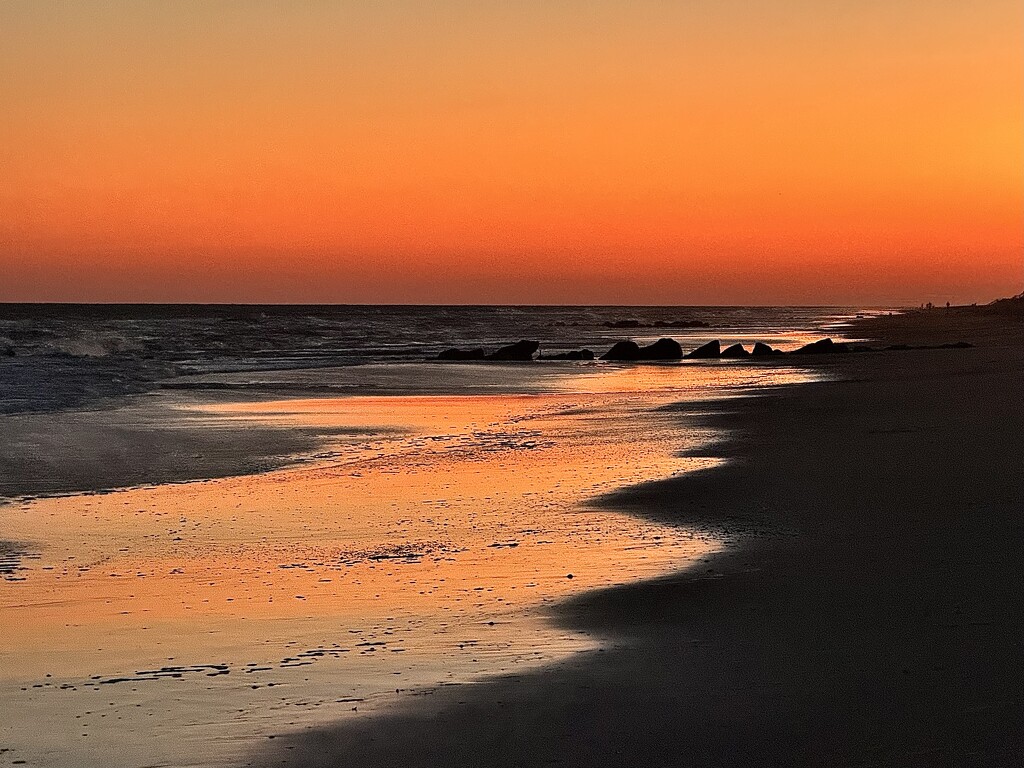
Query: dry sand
x=872, y=616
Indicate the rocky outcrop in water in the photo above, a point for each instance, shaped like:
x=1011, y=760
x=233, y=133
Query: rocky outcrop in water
x=623, y=351
x=521, y=351
x=662, y=349
x=736, y=350
x=462, y=355
x=680, y=324
x=707, y=351
x=821, y=347
x=576, y=354
x=669, y=349
x=622, y=324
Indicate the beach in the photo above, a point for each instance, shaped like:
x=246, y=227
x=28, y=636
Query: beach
x=870, y=615
x=801, y=561
x=459, y=384
x=193, y=571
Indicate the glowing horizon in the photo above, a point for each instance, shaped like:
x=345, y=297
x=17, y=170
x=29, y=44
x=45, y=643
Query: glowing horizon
x=457, y=152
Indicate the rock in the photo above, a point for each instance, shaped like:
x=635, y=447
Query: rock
x=662, y=349
x=576, y=354
x=763, y=350
x=623, y=350
x=736, y=350
x=707, y=351
x=898, y=348
x=462, y=354
x=622, y=324
x=954, y=345
x=821, y=347
x=521, y=351
x=680, y=324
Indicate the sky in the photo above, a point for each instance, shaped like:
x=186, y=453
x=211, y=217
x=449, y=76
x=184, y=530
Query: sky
x=538, y=151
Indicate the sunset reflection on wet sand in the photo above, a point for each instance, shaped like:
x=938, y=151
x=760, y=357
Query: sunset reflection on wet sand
x=424, y=552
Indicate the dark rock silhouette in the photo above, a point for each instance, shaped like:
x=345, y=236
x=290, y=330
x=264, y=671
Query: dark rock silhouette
x=821, y=347
x=763, y=350
x=958, y=345
x=576, y=354
x=462, y=354
x=736, y=350
x=662, y=349
x=680, y=324
x=622, y=324
x=521, y=351
x=623, y=350
x=710, y=350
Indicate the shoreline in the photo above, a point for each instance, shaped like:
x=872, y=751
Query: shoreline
x=872, y=615
x=168, y=436
x=407, y=542
x=90, y=400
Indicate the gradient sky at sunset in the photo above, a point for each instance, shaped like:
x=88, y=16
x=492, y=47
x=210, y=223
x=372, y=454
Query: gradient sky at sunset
x=610, y=151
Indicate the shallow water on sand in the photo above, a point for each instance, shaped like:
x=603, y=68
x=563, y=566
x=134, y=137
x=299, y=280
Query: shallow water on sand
x=176, y=624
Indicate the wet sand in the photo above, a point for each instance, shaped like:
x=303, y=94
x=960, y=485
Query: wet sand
x=425, y=541
x=155, y=438
x=869, y=612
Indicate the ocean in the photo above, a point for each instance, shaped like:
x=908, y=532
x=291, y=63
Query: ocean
x=60, y=356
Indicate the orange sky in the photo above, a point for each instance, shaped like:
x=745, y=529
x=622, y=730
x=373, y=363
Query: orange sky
x=611, y=151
